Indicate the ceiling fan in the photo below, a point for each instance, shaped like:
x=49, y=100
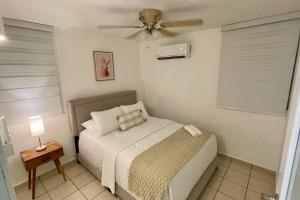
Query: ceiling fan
x=150, y=19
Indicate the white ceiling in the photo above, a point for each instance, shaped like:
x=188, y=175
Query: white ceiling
x=87, y=14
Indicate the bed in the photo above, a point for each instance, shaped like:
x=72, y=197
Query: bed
x=187, y=184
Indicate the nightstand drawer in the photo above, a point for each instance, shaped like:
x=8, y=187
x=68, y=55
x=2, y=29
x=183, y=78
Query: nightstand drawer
x=44, y=159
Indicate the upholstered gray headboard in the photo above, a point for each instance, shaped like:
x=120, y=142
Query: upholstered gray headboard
x=80, y=109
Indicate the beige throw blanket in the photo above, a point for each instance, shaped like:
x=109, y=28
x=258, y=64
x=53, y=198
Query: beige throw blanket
x=152, y=171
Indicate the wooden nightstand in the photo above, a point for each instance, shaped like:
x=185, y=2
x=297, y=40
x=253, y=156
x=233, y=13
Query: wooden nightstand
x=32, y=159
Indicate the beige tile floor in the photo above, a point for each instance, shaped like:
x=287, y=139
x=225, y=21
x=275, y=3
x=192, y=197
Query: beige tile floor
x=237, y=180
x=233, y=180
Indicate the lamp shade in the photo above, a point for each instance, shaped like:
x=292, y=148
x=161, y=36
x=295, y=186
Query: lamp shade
x=2, y=33
x=36, y=125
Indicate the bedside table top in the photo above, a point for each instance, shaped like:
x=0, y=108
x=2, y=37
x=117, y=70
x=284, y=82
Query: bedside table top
x=31, y=153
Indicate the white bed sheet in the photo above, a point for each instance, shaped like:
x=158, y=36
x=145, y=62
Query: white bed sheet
x=90, y=144
x=91, y=148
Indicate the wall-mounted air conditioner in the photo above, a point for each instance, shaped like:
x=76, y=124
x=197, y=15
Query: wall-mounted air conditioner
x=171, y=51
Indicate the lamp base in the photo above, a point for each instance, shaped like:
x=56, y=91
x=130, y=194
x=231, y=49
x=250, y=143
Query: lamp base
x=41, y=148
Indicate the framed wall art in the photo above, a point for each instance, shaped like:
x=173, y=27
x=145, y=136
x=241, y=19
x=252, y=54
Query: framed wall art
x=104, y=65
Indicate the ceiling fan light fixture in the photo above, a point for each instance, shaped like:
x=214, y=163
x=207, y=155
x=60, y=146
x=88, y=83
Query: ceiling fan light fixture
x=155, y=34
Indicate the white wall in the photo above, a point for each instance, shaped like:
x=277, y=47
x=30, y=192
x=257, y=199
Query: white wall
x=77, y=79
x=186, y=90
x=76, y=65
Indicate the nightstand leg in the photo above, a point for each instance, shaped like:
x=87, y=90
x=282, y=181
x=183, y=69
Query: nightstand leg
x=29, y=179
x=57, y=166
x=33, y=182
x=60, y=169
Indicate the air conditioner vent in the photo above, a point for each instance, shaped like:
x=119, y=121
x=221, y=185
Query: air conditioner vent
x=174, y=51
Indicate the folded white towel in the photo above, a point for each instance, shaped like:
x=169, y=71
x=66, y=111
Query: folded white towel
x=196, y=130
x=190, y=130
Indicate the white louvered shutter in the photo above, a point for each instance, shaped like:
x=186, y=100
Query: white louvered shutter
x=257, y=66
x=28, y=74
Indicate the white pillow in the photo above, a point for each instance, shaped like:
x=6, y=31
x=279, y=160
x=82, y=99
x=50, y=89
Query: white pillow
x=106, y=121
x=138, y=106
x=90, y=125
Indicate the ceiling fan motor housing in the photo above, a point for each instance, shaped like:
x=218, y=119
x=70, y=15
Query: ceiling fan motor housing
x=150, y=18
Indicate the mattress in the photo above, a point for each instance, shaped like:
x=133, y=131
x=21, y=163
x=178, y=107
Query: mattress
x=90, y=145
x=92, y=149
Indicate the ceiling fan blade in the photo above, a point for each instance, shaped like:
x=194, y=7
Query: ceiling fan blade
x=134, y=34
x=167, y=33
x=181, y=23
x=117, y=26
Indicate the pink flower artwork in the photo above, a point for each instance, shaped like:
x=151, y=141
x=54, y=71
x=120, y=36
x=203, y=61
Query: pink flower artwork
x=105, y=64
x=104, y=67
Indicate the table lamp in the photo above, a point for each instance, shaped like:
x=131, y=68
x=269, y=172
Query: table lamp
x=2, y=32
x=37, y=129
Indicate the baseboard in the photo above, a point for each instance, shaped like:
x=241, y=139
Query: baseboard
x=248, y=162
x=20, y=186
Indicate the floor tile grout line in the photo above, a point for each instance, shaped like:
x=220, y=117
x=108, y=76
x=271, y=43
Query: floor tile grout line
x=86, y=184
x=228, y=196
x=45, y=189
x=85, y=170
x=264, y=170
x=218, y=190
x=239, y=171
x=264, y=183
x=68, y=178
x=75, y=190
x=231, y=181
x=58, y=184
x=25, y=187
x=70, y=194
x=40, y=176
x=223, y=178
x=42, y=186
x=83, y=185
x=218, y=187
x=102, y=191
x=248, y=182
x=100, y=194
x=236, y=182
x=54, y=170
x=78, y=189
x=262, y=180
x=81, y=174
x=249, y=175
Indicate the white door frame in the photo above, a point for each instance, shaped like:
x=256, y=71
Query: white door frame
x=6, y=189
x=290, y=142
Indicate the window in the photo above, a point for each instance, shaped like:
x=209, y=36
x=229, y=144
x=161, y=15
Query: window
x=257, y=65
x=28, y=75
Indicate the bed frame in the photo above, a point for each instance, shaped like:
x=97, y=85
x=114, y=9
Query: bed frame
x=79, y=112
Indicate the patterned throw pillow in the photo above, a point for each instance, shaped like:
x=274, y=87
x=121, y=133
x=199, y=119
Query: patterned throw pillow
x=131, y=119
